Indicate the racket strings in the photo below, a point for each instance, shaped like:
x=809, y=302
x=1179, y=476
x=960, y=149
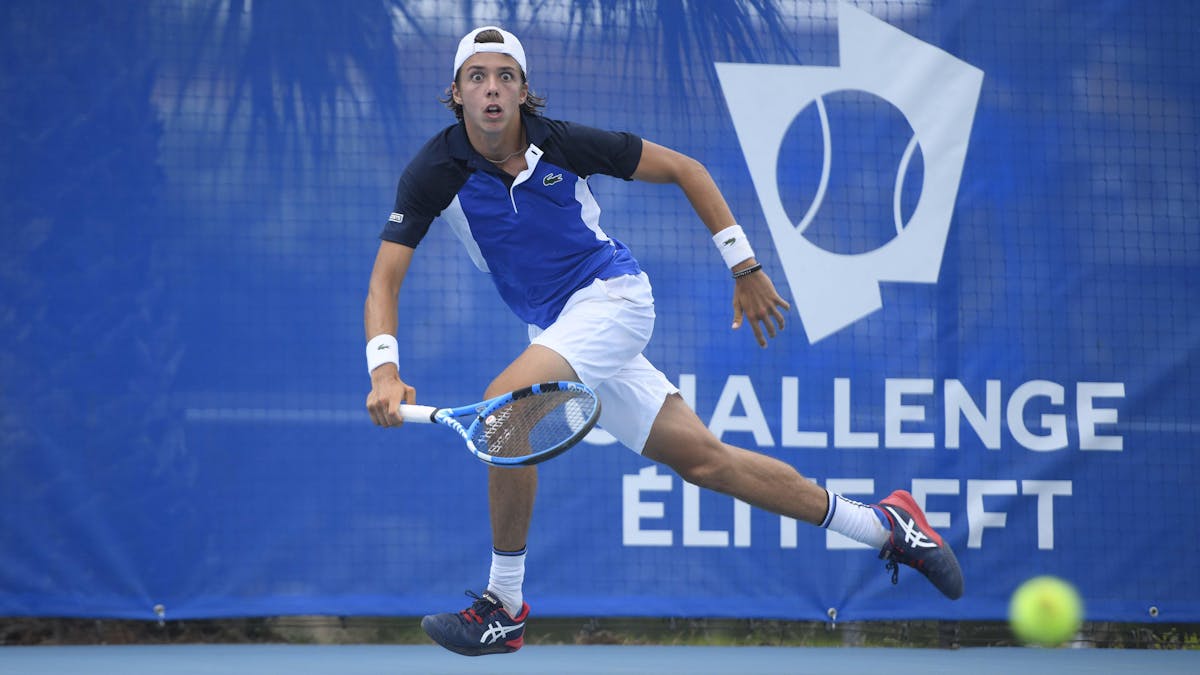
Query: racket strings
x=534, y=424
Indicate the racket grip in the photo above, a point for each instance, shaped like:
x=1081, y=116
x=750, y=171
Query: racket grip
x=417, y=413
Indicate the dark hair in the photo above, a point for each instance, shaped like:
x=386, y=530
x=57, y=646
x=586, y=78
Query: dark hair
x=533, y=103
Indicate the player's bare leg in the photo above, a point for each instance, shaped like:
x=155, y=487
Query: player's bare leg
x=896, y=526
x=681, y=441
x=511, y=491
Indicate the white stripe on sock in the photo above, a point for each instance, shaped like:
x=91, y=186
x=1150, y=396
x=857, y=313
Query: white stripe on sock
x=857, y=521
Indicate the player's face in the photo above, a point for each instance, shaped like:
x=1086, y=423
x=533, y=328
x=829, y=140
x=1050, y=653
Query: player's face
x=491, y=91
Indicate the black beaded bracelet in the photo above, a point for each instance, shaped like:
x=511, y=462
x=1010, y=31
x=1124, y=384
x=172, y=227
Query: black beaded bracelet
x=748, y=271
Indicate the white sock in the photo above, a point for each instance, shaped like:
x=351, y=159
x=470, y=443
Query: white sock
x=858, y=521
x=507, y=577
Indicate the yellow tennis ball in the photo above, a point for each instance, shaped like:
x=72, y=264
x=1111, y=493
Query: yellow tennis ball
x=1045, y=611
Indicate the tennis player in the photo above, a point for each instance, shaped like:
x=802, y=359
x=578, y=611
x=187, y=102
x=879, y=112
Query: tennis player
x=512, y=185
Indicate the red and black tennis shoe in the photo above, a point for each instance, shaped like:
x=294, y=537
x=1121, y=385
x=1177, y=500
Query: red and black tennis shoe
x=483, y=628
x=914, y=543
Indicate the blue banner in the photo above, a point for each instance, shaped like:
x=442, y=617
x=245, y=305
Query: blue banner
x=983, y=215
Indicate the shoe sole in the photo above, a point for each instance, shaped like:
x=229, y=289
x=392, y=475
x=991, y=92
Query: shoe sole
x=501, y=648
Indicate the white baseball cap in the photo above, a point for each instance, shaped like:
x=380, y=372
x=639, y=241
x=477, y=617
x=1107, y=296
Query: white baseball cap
x=511, y=46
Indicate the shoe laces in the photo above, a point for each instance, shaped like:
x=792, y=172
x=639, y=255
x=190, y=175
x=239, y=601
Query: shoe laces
x=893, y=567
x=483, y=606
x=890, y=554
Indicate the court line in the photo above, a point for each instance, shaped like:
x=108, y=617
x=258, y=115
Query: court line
x=579, y=660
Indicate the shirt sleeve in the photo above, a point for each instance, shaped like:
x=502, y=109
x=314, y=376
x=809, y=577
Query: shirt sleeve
x=591, y=151
x=424, y=190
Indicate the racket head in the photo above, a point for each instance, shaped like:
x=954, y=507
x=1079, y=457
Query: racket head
x=533, y=424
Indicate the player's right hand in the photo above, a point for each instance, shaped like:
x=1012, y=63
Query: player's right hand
x=388, y=391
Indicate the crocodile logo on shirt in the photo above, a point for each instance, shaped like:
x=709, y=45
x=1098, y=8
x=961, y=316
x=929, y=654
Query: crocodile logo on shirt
x=551, y=179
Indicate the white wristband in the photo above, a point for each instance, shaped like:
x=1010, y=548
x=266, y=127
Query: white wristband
x=382, y=349
x=733, y=245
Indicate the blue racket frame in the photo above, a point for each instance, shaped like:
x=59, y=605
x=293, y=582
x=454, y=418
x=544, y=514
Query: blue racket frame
x=449, y=417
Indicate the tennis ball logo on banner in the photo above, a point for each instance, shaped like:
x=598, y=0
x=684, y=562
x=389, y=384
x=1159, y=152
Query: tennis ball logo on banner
x=870, y=197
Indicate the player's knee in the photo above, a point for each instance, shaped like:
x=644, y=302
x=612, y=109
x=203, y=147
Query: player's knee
x=708, y=468
x=704, y=475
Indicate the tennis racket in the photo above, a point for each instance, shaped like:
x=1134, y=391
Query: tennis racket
x=522, y=427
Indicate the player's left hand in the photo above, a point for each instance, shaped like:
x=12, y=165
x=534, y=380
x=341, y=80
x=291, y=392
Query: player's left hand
x=756, y=300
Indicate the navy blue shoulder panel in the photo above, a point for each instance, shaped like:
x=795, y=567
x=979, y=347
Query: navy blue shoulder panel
x=587, y=150
x=425, y=189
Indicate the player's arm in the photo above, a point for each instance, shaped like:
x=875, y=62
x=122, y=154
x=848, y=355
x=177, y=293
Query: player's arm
x=381, y=318
x=754, y=296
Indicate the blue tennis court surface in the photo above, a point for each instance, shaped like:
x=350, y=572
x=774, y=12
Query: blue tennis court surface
x=578, y=660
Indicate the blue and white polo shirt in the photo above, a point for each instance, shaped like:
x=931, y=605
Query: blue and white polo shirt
x=538, y=235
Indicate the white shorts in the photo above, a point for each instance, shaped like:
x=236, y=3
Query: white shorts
x=601, y=332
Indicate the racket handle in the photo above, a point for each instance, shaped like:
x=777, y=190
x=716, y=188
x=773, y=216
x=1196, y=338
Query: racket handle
x=417, y=413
